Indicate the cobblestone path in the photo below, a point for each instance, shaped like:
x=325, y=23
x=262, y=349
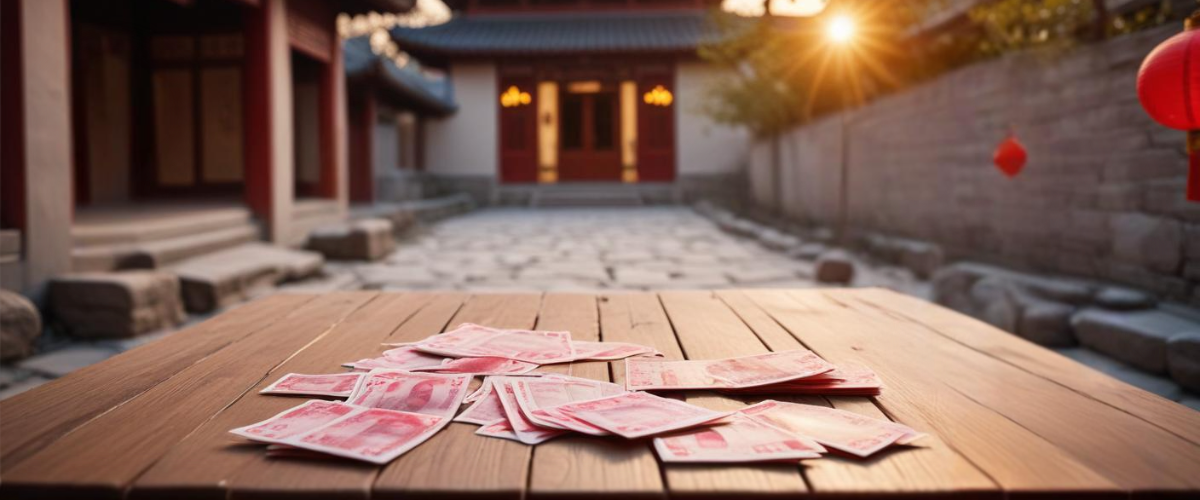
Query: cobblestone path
x=592, y=249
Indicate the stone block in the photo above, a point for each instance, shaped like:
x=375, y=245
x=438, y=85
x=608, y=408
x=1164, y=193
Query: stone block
x=808, y=251
x=20, y=325
x=116, y=305
x=1123, y=299
x=1153, y=242
x=994, y=302
x=1183, y=360
x=366, y=239
x=1047, y=323
x=923, y=259
x=223, y=278
x=1138, y=338
x=835, y=266
x=952, y=286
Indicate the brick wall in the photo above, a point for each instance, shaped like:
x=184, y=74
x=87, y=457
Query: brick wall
x=1102, y=194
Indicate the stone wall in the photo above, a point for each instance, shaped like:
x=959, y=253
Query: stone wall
x=1102, y=195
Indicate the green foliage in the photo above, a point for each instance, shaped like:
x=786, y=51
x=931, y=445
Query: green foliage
x=1027, y=24
x=783, y=72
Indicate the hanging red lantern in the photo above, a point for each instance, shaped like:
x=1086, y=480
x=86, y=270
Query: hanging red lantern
x=1168, y=87
x=1010, y=156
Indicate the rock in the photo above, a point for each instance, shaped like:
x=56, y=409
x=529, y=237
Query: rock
x=1123, y=299
x=923, y=259
x=1047, y=323
x=366, y=239
x=952, y=286
x=835, y=266
x=993, y=300
x=1155, y=384
x=1183, y=360
x=807, y=251
x=20, y=325
x=1153, y=242
x=776, y=240
x=1137, y=338
x=116, y=305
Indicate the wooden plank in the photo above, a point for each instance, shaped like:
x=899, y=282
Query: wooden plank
x=456, y=463
x=707, y=329
x=932, y=466
x=1169, y=415
x=102, y=457
x=1026, y=434
x=582, y=466
x=1125, y=449
x=210, y=463
x=637, y=318
x=34, y=419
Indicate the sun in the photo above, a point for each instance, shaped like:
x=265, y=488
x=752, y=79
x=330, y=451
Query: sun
x=841, y=29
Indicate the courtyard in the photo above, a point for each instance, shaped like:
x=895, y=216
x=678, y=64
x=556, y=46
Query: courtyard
x=565, y=250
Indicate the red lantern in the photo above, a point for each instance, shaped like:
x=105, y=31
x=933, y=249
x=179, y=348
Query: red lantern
x=1169, y=82
x=1169, y=89
x=1010, y=157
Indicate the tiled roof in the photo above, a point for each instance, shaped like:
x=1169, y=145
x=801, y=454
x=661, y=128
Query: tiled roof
x=431, y=95
x=676, y=31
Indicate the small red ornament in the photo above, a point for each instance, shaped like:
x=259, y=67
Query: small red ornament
x=1010, y=157
x=1168, y=87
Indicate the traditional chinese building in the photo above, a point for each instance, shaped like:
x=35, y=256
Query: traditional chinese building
x=141, y=132
x=575, y=93
x=389, y=104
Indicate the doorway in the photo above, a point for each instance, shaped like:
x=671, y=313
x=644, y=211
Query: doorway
x=588, y=131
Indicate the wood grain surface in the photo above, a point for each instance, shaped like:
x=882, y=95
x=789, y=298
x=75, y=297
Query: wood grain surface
x=1004, y=417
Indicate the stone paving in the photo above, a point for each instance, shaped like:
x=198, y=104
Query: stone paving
x=568, y=249
x=573, y=249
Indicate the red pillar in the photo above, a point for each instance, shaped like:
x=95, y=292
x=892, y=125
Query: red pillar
x=257, y=110
x=12, y=100
x=329, y=110
x=362, y=153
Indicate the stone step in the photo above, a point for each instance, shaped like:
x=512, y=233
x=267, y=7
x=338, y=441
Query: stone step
x=587, y=198
x=308, y=215
x=222, y=278
x=163, y=252
x=129, y=226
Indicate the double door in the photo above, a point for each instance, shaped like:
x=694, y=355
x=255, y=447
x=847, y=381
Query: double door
x=589, y=135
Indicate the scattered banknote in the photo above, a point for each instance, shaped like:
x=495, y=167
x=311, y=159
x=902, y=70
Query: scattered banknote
x=609, y=351
x=332, y=384
x=426, y=393
x=482, y=366
x=527, y=432
x=640, y=414
x=486, y=409
x=845, y=431
x=848, y=379
x=474, y=341
x=649, y=374
x=406, y=394
x=293, y=421
x=742, y=439
x=540, y=399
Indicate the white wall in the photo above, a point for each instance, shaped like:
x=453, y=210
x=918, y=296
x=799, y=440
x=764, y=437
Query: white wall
x=704, y=147
x=465, y=143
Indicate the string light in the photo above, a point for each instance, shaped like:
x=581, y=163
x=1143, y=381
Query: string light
x=514, y=97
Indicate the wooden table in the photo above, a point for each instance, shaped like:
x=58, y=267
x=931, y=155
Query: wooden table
x=1005, y=416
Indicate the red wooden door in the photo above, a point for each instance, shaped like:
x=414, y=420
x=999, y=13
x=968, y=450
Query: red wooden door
x=589, y=137
x=518, y=130
x=656, y=130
